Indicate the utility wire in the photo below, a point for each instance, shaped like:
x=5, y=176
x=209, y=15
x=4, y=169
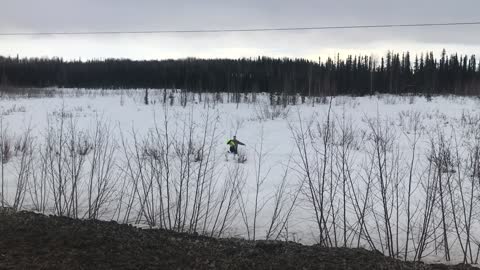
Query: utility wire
x=238, y=30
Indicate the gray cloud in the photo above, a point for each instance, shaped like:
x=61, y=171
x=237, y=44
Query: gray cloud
x=118, y=15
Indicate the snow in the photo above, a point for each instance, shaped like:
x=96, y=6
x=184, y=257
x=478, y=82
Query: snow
x=127, y=114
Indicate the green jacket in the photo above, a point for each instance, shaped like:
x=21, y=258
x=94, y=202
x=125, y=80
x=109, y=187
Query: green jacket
x=234, y=143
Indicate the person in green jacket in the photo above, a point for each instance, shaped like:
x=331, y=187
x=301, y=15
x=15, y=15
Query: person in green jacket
x=233, y=143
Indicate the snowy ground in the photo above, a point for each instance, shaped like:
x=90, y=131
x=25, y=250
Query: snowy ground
x=354, y=125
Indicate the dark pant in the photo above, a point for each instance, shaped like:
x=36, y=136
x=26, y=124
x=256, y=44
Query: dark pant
x=233, y=150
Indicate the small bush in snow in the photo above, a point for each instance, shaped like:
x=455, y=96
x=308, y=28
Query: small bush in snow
x=14, y=109
x=265, y=112
x=411, y=99
x=6, y=150
x=390, y=99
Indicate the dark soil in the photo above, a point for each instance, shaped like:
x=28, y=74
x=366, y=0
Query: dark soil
x=33, y=241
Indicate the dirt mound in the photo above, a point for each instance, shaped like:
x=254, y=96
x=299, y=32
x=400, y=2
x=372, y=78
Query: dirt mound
x=33, y=241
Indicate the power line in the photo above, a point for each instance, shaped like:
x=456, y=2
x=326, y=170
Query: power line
x=238, y=30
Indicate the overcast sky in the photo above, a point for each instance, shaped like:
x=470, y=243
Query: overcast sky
x=139, y=15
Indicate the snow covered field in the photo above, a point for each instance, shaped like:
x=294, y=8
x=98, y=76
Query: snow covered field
x=369, y=172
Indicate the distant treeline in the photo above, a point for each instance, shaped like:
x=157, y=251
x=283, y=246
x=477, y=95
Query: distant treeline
x=394, y=73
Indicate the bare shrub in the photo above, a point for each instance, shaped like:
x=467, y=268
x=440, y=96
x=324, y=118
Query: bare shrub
x=264, y=112
x=14, y=109
x=383, y=150
x=25, y=167
x=6, y=149
x=4, y=152
x=101, y=174
x=65, y=153
x=170, y=172
x=313, y=165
